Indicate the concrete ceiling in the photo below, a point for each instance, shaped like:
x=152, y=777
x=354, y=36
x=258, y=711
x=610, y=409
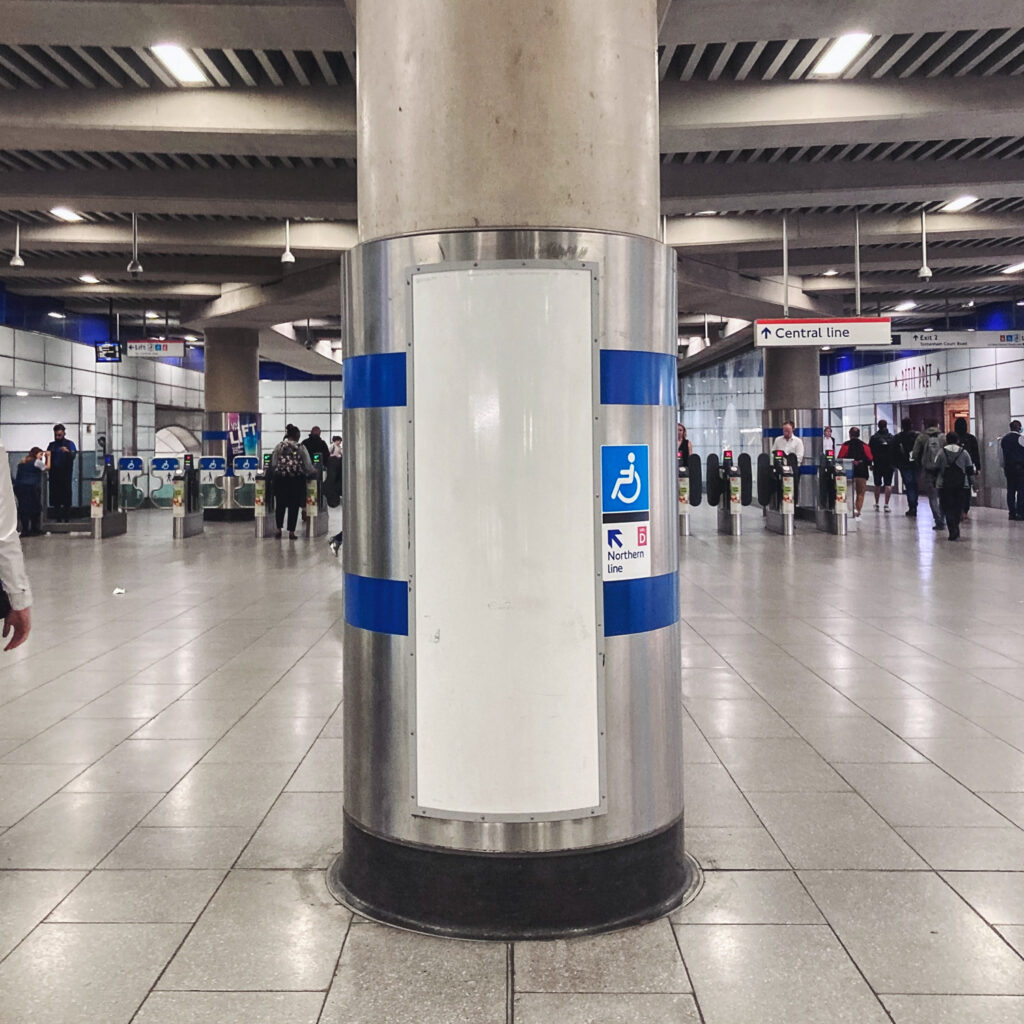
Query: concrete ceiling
x=930, y=110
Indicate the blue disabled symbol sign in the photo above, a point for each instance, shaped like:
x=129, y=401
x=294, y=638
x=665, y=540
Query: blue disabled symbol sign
x=625, y=511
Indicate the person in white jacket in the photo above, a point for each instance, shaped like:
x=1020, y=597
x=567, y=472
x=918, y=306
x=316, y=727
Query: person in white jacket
x=18, y=617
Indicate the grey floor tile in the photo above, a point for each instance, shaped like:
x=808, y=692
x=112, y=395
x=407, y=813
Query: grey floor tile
x=832, y=830
x=184, y=847
x=84, y=973
x=264, y=930
x=26, y=898
x=775, y=974
x=25, y=720
x=642, y=959
x=910, y=934
x=1011, y=805
x=955, y=1009
x=590, y=1008
x=24, y=786
x=853, y=740
x=980, y=763
x=402, y=978
x=73, y=741
x=968, y=849
x=302, y=830
x=997, y=895
x=140, y=766
x=925, y=718
x=259, y=741
x=230, y=1008
x=776, y=765
x=73, y=830
x=128, y=701
x=1014, y=935
x=711, y=798
x=737, y=718
x=194, y=719
x=749, y=897
x=322, y=769
x=139, y=897
x=736, y=849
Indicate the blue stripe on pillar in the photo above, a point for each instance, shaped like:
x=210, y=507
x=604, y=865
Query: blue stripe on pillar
x=381, y=606
x=215, y=435
x=773, y=432
x=637, y=378
x=637, y=606
x=375, y=381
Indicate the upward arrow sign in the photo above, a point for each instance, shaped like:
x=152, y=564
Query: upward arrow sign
x=765, y=333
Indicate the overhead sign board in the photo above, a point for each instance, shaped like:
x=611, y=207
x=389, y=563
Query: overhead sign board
x=108, y=352
x=819, y=333
x=626, y=511
x=959, y=339
x=152, y=349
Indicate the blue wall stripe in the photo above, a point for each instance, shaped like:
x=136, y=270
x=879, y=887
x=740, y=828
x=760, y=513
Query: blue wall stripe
x=381, y=606
x=637, y=378
x=215, y=435
x=636, y=606
x=375, y=381
x=774, y=432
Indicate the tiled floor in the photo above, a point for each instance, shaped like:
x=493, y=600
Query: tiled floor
x=170, y=776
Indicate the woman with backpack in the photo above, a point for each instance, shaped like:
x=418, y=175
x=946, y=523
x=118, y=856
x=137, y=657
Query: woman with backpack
x=292, y=466
x=955, y=469
x=857, y=450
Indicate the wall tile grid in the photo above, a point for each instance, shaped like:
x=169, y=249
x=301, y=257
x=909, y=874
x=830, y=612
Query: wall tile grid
x=306, y=403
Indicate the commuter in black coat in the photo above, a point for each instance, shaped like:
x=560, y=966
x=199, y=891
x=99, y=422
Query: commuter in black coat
x=970, y=443
x=1011, y=458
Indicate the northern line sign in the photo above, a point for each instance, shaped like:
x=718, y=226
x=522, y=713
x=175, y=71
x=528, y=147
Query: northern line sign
x=826, y=331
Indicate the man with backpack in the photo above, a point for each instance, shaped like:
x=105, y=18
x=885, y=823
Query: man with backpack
x=883, y=466
x=954, y=469
x=908, y=471
x=857, y=450
x=927, y=449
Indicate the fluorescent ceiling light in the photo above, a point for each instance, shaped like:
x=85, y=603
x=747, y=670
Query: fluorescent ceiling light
x=903, y=307
x=65, y=213
x=830, y=273
x=840, y=55
x=153, y=316
x=706, y=213
x=958, y=204
x=1015, y=269
x=21, y=394
x=180, y=63
x=56, y=316
x=191, y=337
x=88, y=279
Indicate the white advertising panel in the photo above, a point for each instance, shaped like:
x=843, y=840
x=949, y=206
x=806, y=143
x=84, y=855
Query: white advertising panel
x=831, y=332
x=507, y=702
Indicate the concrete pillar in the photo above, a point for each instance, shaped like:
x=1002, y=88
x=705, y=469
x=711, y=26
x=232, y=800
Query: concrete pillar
x=792, y=391
x=513, y=762
x=232, y=421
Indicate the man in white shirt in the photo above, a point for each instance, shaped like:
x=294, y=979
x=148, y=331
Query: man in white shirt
x=789, y=442
x=18, y=620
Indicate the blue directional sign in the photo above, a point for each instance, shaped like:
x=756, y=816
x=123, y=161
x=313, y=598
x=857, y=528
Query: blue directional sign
x=246, y=462
x=164, y=465
x=213, y=463
x=130, y=464
x=625, y=478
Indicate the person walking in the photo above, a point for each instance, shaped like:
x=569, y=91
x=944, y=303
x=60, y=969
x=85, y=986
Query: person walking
x=926, y=452
x=908, y=471
x=883, y=465
x=970, y=442
x=15, y=591
x=954, y=468
x=857, y=450
x=1011, y=458
x=60, y=462
x=292, y=466
x=28, y=489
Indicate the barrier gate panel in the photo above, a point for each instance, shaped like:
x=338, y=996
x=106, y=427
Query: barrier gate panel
x=132, y=482
x=161, y=480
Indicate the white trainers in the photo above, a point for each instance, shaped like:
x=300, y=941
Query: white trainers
x=887, y=509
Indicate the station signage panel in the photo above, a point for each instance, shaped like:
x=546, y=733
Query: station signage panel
x=153, y=349
x=108, y=352
x=832, y=332
x=626, y=511
x=959, y=339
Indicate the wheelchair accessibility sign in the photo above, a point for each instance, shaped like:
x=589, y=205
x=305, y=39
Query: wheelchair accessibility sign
x=625, y=511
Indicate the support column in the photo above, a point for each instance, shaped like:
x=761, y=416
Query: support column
x=232, y=423
x=513, y=761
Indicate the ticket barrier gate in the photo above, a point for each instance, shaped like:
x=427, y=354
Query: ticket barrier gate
x=728, y=484
x=833, y=494
x=691, y=491
x=131, y=472
x=263, y=500
x=776, y=490
x=315, y=515
x=186, y=506
x=213, y=482
x=106, y=517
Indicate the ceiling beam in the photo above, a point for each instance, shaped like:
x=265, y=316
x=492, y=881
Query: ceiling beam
x=869, y=284
x=325, y=192
x=294, y=121
x=709, y=116
x=140, y=290
x=807, y=262
x=165, y=269
x=690, y=188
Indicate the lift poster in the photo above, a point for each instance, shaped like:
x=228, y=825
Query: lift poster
x=243, y=429
x=625, y=511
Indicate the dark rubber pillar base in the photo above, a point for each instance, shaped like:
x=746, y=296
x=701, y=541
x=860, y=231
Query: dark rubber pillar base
x=228, y=515
x=505, y=897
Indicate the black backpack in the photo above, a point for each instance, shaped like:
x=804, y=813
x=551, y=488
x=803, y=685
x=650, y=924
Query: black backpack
x=953, y=476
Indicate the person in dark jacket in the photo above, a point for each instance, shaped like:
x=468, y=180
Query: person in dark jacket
x=60, y=461
x=955, y=469
x=28, y=486
x=1011, y=458
x=905, y=440
x=292, y=467
x=883, y=466
x=316, y=445
x=925, y=455
x=857, y=450
x=970, y=442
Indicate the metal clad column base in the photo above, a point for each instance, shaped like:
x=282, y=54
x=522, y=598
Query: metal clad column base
x=684, y=525
x=110, y=524
x=188, y=525
x=779, y=522
x=315, y=526
x=505, y=897
x=831, y=522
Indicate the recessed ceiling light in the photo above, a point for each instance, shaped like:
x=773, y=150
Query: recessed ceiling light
x=65, y=213
x=1021, y=303
x=21, y=394
x=971, y=329
x=180, y=63
x=88, y=279
x=150, y=315
x=1015, y=269
x=830, y=273
x=958, y=204
x=840, y=55
x=56, y=316
x=706, y=213
x=191, y=337
x=903, y=307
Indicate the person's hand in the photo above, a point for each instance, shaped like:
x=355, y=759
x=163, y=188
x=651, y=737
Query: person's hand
x=20, y=623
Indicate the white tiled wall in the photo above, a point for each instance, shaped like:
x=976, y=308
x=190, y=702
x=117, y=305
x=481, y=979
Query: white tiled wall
x=721, y=406
x=304, y=403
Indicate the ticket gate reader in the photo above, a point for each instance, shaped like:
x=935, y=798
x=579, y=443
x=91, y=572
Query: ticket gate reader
x=245, y=469
x=186, y=505
x=106, y=517
x=130, y=479
x=728, y=485
x=691, y=491
x=315, y=516
x=263, y=499
x=776, y=490
x=213, y=481
x=833, y=491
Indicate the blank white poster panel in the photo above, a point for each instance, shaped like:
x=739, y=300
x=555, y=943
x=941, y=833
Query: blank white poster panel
x=506, y=701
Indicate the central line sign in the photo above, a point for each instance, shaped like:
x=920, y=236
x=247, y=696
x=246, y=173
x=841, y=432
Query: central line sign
x=839, y=332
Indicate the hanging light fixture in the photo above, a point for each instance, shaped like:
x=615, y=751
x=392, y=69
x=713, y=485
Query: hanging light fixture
x=135, y=267
x=287, y=256
x=16, y=260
